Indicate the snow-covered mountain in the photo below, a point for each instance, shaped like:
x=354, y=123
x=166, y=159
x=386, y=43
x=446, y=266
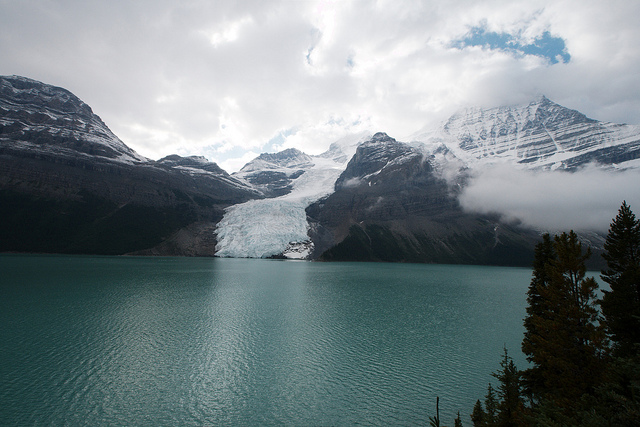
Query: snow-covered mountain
x=391, y=204
x=540, y=135
x=399, y=195
x=278, y=226
x=273, y=174
x=68, y=184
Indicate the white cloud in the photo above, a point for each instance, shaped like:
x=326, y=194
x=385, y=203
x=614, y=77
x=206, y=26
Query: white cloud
x=228, y=31
x=235, y=164
x=553, y=201
x=229, y=73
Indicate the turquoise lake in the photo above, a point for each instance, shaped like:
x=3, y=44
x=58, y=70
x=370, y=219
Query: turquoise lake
x=208, y=341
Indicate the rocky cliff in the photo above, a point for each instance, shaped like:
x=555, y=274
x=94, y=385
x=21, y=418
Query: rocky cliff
x=69, y=185
x=390, y=204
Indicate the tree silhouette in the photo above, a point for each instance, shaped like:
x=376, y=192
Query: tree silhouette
x=621, y=305
x=563, y=338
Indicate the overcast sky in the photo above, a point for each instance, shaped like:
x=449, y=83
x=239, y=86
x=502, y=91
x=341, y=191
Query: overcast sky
x=232, y=79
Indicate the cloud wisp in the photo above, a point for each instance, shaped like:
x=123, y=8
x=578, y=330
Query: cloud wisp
x=584, y=200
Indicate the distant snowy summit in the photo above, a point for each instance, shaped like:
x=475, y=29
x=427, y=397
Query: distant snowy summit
x=538, y=135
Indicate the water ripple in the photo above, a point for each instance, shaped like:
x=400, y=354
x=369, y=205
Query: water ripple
x=128, y=341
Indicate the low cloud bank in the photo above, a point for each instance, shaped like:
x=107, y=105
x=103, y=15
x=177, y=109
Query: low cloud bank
x=585, y=200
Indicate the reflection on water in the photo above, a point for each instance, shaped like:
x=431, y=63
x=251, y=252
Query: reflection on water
x=167, y=341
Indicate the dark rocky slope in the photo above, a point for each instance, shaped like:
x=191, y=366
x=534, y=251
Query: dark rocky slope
x=68, y=185
x=390, y=205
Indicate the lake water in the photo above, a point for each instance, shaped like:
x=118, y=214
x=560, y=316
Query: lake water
x=193, y=341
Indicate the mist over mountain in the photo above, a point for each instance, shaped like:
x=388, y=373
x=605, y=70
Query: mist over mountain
x=541, y=164
x=478, y=189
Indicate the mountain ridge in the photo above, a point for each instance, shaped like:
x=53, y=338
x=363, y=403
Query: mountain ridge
x=68, y=184
x=540, y=134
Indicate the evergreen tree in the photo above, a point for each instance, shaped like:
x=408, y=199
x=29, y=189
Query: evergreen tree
x=563, y=340
x=621, y=305
x=544, y=254
x=457, y=422
x=435, y=421
x=478, y=416
x=617, y=401
x=510, y=406
x=572, y=380
x=491, y=404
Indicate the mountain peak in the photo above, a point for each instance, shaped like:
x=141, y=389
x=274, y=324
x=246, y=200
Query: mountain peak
x=540, y=134
x=287, y=154
x=28, y=91
x=381, y=137
x=291, y=158
x=52, y=119
x=541, y=99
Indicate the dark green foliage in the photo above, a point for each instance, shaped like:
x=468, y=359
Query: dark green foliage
x=457, y=422
x=563, y=339
x=435, y=421
x=544, y=254
x=621, y=305
x=504, y=406
x=573, y=381
x=491, y=405
x=510, y=405
x=478, y=416
x=617, y=401
x=374, y=242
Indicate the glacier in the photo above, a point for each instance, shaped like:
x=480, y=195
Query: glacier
x=278, y=226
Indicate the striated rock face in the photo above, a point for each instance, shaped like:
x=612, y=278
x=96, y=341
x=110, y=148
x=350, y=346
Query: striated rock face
x=373, y=156
x=541, y=135
x=69, y=185
x=49, y=119
x=390, y=205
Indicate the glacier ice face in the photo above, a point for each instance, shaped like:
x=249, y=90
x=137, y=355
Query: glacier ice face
x=261, y=228
x=278, y=226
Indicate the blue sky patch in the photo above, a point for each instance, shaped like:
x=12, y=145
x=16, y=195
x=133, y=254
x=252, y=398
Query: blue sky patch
x=545, y=46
